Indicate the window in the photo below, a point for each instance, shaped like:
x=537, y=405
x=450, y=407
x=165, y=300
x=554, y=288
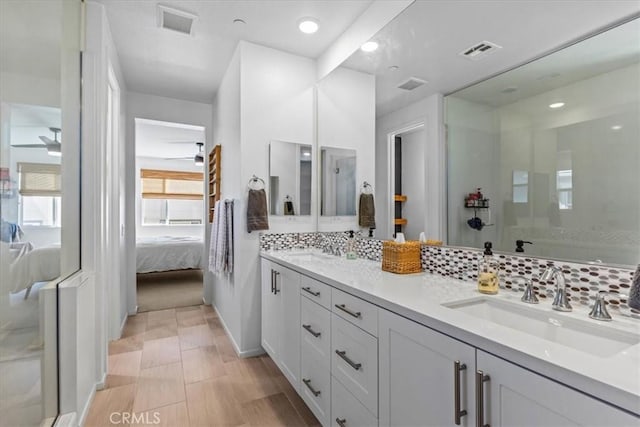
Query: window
x=171, y=197
x=564, y=186
x=520, y=186
x=40, y=194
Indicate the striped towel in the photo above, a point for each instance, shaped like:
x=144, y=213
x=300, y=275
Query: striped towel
x=221, y=244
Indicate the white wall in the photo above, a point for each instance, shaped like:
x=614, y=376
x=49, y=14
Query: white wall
x=221, y=289
x=429, y=112
x=172, y=229
x=265, y=95
x=152, y=107
x=346, y=119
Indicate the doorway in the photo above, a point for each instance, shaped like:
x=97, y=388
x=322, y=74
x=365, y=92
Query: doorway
x=170, y=214
x=408, y=187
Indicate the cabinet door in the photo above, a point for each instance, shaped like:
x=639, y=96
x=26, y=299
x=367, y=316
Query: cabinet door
x=287, y=289
x=514, y=396
x=417, y=375
x=270, y=311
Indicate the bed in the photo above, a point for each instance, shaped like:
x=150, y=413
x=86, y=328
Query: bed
x=28, y=265
x=155, y=254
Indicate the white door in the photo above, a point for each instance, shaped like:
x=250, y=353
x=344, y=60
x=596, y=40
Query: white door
x=288, y=292
x=417, y=378
x=270, y=311
x=514, y=396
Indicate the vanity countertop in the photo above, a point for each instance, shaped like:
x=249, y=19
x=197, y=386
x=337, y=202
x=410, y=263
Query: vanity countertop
x=419, y=297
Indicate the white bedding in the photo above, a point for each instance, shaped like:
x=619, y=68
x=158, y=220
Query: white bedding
x=29, y=266
x=168, y=253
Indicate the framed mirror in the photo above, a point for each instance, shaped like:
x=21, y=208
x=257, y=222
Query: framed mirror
x=337, y=181
x=290, y=178
x=554, y=148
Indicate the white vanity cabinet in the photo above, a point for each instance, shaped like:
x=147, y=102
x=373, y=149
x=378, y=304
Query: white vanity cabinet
x=281, y=318
x=421, y=381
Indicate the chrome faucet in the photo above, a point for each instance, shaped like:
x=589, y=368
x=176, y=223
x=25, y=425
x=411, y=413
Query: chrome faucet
x=529, y=295
x=599, y=310
x=560, y=300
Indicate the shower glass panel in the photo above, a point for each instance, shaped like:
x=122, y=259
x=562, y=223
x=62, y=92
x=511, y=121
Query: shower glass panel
x=39, y=197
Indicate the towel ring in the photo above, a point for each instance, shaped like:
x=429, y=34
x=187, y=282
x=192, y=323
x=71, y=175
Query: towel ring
x=367, y=188
x=254, y=183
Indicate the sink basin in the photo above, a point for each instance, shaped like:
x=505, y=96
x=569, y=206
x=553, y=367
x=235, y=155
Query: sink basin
x=580, y=335
x=311, y=256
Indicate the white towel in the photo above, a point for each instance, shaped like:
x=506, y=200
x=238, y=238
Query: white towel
x=221, y=244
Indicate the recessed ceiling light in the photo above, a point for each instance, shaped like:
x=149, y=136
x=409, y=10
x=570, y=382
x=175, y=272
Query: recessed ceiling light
x=393, y=67
x=239, y=21
x=308, y=25
x=616, y=127
x=369, y=46
x=556, y=105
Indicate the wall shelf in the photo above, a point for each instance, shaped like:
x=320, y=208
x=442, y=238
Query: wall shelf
x=400, y=198
x=214, y=179
x=400, y=221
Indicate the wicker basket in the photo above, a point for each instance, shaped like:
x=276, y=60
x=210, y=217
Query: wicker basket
x=401, y=258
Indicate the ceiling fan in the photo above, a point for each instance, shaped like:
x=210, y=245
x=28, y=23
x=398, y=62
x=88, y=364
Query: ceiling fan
x=198, y=159
x=53, y=146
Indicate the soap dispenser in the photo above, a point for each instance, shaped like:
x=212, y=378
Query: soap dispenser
x=488, y=281
x=351, y=246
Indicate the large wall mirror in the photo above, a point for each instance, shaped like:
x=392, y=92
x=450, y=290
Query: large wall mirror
x=290, y=177
x=337, y=181
x=554, y=147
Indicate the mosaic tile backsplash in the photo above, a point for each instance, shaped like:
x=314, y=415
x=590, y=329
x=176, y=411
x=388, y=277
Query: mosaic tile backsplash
x=584, y=280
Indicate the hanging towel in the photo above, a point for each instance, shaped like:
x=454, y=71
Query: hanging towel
x=366, y=211
x=257, y=217
x=221, y=244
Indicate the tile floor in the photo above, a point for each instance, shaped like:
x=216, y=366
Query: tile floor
x=177, y=368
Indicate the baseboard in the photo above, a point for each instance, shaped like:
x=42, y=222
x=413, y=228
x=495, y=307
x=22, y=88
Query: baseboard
x=87, y=406
x=134, y=312
x=100, y=385
x=67, y=420
x=242, y=354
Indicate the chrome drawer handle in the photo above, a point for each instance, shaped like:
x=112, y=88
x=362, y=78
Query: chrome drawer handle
x=311, y=331
x=343, y=355
x=275, y=282
x=308, y=290
x=344, y=308
x=342, y=422
x=308, y=384
x=457, y=413
x=481, y=378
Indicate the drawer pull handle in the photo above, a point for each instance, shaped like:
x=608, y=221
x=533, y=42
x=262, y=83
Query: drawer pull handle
x=481, y=378
x=342, y=422
x=457, y=413
x=344, y=308
x=311, y=331
x=354, y=365
x=275, y=282
x=308, y=290
x=308, y=384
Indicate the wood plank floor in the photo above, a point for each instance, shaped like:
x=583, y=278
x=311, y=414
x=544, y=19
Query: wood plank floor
x=178, y=368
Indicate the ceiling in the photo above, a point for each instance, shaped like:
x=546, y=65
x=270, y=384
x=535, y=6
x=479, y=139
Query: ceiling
x=166, y=63
x=167, y=140
x=424, y=41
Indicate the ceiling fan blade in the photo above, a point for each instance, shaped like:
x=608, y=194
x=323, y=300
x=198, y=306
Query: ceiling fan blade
x=30, y=145
x=47, y=140
x=182, y=142
x=178, y=158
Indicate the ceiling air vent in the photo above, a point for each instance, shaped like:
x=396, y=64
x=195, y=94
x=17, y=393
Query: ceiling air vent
x=175, y=20
x=411, y=83
x=480, y=50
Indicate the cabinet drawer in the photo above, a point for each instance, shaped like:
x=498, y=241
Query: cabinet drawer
x=316, y=328
x=355, y=310
x=346, y=410
x=316, y=385
x=316, y=291
x=354, y=361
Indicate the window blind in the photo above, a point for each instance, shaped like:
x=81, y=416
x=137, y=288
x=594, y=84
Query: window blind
x=40, y=179
x=163, y=184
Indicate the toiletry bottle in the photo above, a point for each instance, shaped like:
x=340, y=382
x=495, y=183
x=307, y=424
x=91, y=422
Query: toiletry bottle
x=488, y=281
x=351, y=246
